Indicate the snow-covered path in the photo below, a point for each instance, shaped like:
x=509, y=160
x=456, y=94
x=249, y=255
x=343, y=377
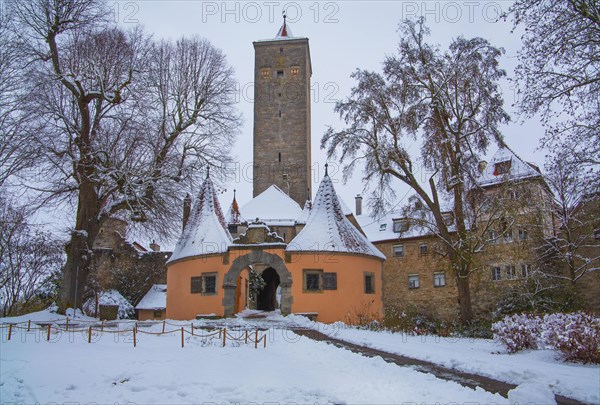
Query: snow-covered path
x=158, y=370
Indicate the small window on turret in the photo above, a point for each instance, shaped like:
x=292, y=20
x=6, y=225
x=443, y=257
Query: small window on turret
x=295, y=71
x=265, y=73
x=279, y=74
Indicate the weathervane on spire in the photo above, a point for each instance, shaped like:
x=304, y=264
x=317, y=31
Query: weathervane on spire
x=326, y=166
x=283, y=30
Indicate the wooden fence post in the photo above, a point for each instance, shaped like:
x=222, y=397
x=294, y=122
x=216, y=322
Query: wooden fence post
x=163, y=329
x=102, y=327
x=67, y=324
x=192, y=328
x=90, y=334
x=134, y=332
x=182, y=336
x=246, y=336
x=265, y=341
x=28, y=325
x=224, y=336
x=9, y=330
x=48, y=332
x=256, y=339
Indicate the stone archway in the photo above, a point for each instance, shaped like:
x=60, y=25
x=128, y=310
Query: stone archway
x=242, y=262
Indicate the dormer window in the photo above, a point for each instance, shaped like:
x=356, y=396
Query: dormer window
x=502, y=168
x=400, y=225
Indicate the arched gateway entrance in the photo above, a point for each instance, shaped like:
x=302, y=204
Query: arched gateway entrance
x=276, y=270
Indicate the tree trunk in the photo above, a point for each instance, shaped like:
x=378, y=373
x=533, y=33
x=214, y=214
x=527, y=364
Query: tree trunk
x=79, y=250
x=464, y=298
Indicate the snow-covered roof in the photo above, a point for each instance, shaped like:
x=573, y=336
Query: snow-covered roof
x=506, y=165
x=308, y=205
x=305, y=213
x=328, y=229
x=155, y=298
x=206, y=231
x=382, y=228
x=273, y=207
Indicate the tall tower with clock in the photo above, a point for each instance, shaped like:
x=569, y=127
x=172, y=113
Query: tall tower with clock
x=282, y=71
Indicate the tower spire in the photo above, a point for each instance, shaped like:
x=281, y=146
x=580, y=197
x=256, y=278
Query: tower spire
x=284, y=30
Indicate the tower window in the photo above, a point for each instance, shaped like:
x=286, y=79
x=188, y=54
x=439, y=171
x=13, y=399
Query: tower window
x=279, y=113
x=280, y=50
x=279, y=157
x=264, y=73
x=279, y=74
x=294, y=71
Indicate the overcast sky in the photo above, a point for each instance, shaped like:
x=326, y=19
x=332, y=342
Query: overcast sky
x=343, y=36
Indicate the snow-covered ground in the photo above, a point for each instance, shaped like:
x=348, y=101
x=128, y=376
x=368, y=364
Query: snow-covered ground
x=290, y=369
x=484, y=357
x=158, y=370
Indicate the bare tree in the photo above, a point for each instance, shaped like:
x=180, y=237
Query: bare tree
x=15, y=151
x=573, y=252
x=27, y=258
x=126, y=123
x=450, y=103
x=559, y=73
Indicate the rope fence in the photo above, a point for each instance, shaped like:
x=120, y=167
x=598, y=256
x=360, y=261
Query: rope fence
x=47, y=327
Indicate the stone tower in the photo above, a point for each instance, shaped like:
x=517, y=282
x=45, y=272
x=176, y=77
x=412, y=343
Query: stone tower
x=282, y=71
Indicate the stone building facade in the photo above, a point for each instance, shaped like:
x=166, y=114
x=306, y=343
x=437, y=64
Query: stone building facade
x=417, y=277
x=126, y=266
x=282, y=155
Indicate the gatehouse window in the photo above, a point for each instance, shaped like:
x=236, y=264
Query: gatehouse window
x=423, y=249
x=157, y=313
x=209, y=283
x=369, y=283
x=312, y=280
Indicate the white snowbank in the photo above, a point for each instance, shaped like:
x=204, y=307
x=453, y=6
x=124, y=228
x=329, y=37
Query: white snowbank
x=531, y=393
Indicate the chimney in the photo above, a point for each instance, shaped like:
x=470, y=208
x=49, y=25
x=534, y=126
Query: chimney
x=358, y=200
x=187, y=207
x=481, y=166
x=154, y=246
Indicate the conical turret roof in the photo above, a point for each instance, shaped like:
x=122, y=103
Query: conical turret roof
x=328, y=229
x=206, y=231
